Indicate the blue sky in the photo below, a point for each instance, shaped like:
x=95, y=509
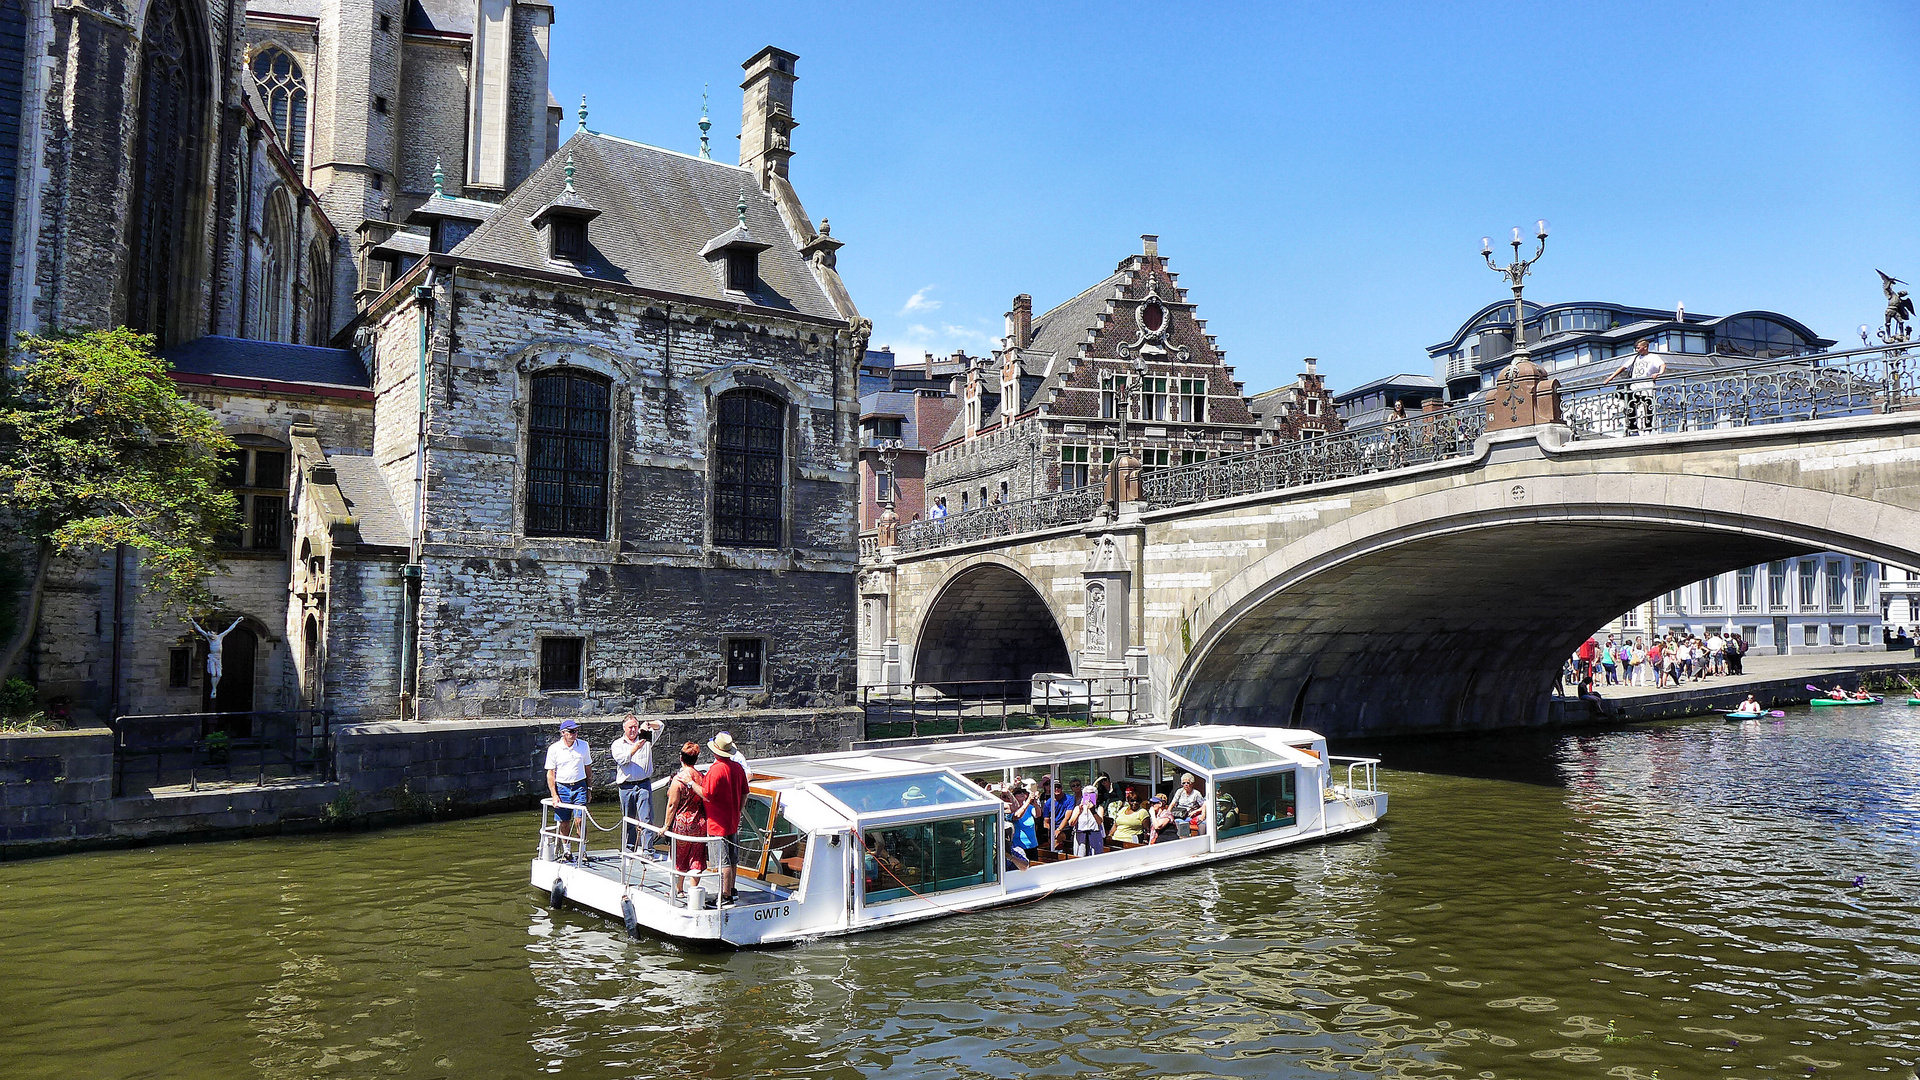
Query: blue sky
x=1319, y=175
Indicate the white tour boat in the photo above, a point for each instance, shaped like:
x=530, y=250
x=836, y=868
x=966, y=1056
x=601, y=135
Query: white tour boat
x=810, y=821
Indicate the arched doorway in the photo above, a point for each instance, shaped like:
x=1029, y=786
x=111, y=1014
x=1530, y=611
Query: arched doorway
x=310, y=663
x=989, y=625
x=238, y=651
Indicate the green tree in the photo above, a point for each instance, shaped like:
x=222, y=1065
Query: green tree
x=97, y=448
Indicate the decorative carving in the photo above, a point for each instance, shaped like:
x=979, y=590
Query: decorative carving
x=214, y=665
x=1106, y=555
x=1523, y=397
x=866, y=620
x=1096, y=617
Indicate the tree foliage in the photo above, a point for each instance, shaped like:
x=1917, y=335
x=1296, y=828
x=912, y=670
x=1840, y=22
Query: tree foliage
x=97, y=448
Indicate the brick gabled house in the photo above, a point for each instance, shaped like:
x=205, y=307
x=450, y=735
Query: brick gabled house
x=1043, y=413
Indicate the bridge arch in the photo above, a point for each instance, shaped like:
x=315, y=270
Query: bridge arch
x=1455, y=608
x=988, y=621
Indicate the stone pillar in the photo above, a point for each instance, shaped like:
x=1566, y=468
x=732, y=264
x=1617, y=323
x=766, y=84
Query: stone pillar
x=1107, y=650
x=879, y=652
x=1523, y=397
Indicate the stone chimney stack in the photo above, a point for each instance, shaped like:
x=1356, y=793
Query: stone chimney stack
x=1150, y=245
x=766, y=114
x=1020, y=322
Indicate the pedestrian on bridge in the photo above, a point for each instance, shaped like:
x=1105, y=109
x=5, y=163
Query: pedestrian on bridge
x=1636, y=394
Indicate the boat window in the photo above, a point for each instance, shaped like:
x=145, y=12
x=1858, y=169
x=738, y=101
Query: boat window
x=755, y=819
x=990, y=776
x=1225, y=754
x=1140, y=768
x=1253, y=803
x=898, y=792
x=931, y=857
x=787, y=851
x=1074, y=775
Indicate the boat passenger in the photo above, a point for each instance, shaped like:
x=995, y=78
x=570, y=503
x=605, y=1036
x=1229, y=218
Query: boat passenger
x=570, y=781
x=1130, y=824
x=1058, y=811
x=1225, y=809
x=1751, y=705
x=724, y=795
x=1188, y=804
x=1109, y=802
x=633, y=761
x=1025, y=828
x=1160, y=823
x=1089, y=823
x=686, y=810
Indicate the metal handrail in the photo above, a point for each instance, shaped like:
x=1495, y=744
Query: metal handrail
x=155, y=738
x=1370, y=764
x=961, y=707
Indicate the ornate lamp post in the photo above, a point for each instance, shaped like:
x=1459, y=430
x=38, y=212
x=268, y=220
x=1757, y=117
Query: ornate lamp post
x=1516, y=274
x=889, y=453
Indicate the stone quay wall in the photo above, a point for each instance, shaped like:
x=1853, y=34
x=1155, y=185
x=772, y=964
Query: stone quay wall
x=56, y=788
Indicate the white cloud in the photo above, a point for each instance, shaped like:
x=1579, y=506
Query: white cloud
x=919, y=301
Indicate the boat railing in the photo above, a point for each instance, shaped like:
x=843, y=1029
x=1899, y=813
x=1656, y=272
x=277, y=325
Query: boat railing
x=1040, y=702
x=1361, y=772
x=638, y=867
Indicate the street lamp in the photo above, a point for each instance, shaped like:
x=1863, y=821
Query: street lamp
x=889, y=453
x=1516, y=275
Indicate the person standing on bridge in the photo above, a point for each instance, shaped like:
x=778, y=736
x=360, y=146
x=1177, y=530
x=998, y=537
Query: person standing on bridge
x=1636, y=394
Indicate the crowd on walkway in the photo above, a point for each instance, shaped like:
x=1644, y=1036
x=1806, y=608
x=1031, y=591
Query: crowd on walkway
x=700, y=802
x=1658, y=662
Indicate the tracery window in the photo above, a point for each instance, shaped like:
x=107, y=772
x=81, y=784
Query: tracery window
x=172, y=90
x=749, y=447
x=277, y=254
x=567, y=455
x=283, y=86
x=319, y=307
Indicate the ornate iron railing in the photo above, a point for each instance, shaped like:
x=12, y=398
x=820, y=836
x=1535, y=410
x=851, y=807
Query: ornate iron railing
x=1819, y=386
x=1071, y=507
x=1417, y=440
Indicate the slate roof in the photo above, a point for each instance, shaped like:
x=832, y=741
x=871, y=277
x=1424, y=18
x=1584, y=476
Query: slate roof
x=371, y=501
x=305, y=9
x=445, y=16
x=658, y=210
x=243, y=359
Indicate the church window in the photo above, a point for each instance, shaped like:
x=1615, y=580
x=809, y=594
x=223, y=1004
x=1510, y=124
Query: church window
x=256, y=473
x=173, y=91
x=567, y=455
x=283, y=86
x=1193, y=400
x=273, y=321
x=319, y=294
x=749, y=468
x=562, y=664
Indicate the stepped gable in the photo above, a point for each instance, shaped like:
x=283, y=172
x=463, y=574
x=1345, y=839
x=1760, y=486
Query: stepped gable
x=658, y=211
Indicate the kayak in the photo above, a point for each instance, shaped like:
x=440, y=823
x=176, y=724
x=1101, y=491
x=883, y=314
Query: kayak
x=1849, y=701
x=1744, y=715
x=1913, y=701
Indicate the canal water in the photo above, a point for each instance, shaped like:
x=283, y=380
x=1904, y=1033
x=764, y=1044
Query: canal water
x=1682, y=900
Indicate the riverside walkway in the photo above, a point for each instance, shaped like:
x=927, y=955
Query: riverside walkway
x=1775, y=680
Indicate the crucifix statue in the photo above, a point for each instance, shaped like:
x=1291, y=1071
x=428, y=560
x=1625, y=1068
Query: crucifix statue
x=213, y=653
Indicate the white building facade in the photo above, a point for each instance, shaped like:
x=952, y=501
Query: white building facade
x=1823, y=603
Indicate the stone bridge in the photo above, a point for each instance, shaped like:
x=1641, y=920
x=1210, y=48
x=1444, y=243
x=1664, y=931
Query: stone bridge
x=1441, y=595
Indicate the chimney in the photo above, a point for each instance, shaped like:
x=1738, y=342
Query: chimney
x=1020, y=322
x=1313, y=365
x=766, y=114
x=1150, y=245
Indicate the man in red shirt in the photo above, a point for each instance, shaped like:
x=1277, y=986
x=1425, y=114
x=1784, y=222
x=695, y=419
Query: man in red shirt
x=725, y=792
x=1589, y=651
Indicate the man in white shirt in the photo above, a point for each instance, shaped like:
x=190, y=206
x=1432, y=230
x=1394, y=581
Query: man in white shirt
x=633, y=761
x=570, y=779
x=1636, y=397
x=1717, y=654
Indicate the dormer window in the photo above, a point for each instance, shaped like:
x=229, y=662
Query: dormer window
x=568, y=237
x=743, y=269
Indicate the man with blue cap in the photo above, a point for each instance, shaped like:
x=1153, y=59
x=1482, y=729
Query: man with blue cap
x=570, y=779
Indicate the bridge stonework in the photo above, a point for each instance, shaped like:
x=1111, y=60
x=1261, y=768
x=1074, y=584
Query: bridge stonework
x=1437, y=597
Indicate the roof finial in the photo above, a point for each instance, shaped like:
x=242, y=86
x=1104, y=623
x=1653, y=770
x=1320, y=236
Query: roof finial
x=743, y=209
x=439, y=178
x=706, y=123
x=583, y=115
x=569, y=171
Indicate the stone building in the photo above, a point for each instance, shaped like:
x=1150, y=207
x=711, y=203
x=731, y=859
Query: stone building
x=1302, y=409
x=615, y=425
x=1043, y=413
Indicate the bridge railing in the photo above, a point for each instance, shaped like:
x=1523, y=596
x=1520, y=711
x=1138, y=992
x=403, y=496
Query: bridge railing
x=1041, y=702
x=1818, y=386
x=1073, y=506
x=194, y=748
x=1429, y=436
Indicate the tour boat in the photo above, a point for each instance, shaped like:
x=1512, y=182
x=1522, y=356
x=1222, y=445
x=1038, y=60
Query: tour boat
x=937, y=834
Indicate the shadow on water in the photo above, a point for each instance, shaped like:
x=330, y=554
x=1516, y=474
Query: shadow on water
x=1517, y=755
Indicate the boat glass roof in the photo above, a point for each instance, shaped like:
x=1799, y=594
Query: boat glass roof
x=912, y=792
x=1225, y=754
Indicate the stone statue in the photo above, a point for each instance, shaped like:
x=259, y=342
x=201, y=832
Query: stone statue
x=213, y=653
x=866, y=620
x=1899, y=319
x=1096, y=618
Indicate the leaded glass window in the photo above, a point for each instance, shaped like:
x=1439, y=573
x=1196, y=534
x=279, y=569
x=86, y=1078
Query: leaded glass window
x=747, y=494
x=283, y=86
x=567, y=455
x=172, y=88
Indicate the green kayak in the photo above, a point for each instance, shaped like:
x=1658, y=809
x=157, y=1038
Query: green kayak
x=1849, y=701
x=1913, y=701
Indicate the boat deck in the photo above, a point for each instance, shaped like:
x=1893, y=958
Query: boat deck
x=655, y=877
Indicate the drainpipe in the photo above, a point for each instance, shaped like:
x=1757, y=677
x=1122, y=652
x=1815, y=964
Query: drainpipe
x=411, y=574
x=119, y=621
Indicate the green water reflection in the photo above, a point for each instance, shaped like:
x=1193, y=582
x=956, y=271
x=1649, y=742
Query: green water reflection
x=1677, y=898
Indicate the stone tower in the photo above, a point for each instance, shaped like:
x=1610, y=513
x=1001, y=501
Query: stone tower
x=766, y=114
